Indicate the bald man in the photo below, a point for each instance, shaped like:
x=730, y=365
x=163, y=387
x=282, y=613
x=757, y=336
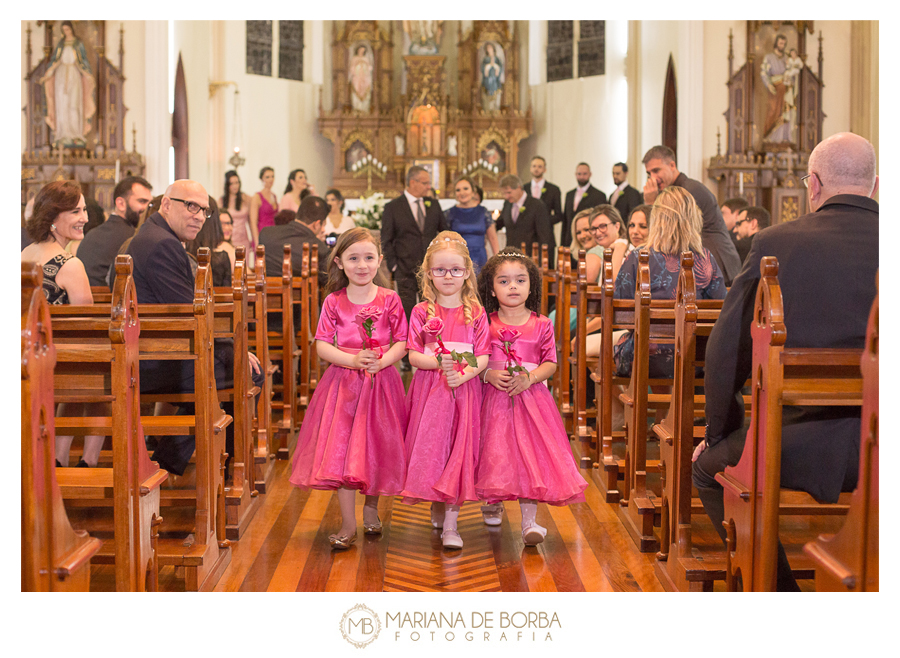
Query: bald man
x=163, y=275
x=827, y=261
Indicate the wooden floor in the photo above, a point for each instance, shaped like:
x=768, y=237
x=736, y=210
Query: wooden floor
x=286, y=549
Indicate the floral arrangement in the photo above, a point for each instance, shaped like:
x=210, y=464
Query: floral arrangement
x=368, y=213
x=460, y=359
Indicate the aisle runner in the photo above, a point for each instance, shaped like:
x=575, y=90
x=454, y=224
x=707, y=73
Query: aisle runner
x=416, y=561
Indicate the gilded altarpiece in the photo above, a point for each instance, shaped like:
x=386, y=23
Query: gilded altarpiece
x=774, y=119
x=422, y=125
x=92, y=150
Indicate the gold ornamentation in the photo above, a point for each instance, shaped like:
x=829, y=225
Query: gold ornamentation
x=28, y=173
x=358, y=136
x=106, y=174
x=789, y=209
x=489, y=135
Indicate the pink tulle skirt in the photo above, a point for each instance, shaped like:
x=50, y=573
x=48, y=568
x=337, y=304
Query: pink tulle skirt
x=525, y=452
x=352, y=434
x=441, y=439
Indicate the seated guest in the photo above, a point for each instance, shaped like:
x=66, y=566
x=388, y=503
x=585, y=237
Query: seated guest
x=336, y=222
x=162, y=275
x=675, y=226
x=95, y=216
x=306, y=227
x=57, y=218
x=98, y=251
x=151, y=208
x=582, y=239
x=608, y=230
x=639, y=226
x=283, y=217
x=753, y=220
x=827, y=263
x=226, y=221
x=211, y=236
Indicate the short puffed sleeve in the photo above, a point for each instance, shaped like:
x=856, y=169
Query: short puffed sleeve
x=327, y=328
x=481, y=339
x=396, y=317
x=415, y=339
x=547, y=341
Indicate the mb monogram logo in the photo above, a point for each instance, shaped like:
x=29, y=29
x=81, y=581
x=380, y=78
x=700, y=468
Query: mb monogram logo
x=360, y=626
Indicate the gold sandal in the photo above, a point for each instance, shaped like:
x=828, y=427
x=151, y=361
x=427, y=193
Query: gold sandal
x=373, y=529
x=342, y=543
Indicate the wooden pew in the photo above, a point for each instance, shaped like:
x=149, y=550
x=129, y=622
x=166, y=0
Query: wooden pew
x=546, y=280
x=283, y=348
x=315, y=364
x=616, y=315
x=231, y=321
x=848, y=561
x=683, y=564
x=563, y=375
x=587, y=304
x=264, y=450
x=97, y=361
x=55, y=558
x=304, y=336
x=556, y=287
x=754, y=499
x=196, y=545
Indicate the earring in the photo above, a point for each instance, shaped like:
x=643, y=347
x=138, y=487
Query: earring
x=52, y=227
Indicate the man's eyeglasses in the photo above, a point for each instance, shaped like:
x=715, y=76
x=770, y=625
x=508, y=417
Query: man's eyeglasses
x=806, y=178
x=455, y=272
x=741, y=221
x=601, y=227
x=194, y=208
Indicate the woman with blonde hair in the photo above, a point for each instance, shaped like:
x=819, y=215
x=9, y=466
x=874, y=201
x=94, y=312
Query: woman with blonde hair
x=675, y=226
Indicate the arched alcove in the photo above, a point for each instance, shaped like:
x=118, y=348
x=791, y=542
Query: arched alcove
x=670, y=109
x=180, y=124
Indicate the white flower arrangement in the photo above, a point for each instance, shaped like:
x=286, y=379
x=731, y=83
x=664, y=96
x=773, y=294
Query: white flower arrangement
x=368, y=213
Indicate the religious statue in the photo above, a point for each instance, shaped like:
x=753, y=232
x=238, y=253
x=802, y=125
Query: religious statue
x=491, y=73
x=399, y=146
x=781, y=84
x=451, y=145
x=424, y=36
x=361, y=68
x=69, y=88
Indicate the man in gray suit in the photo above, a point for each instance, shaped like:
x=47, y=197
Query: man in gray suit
x=525, y=218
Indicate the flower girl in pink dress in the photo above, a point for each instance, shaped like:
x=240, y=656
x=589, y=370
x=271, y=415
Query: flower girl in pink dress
x=525, y=452
x=352, y=434
x=449, y=345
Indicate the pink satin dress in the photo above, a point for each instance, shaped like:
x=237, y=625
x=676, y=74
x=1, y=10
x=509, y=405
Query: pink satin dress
x=444, y=434
x=240, y=234
x=525, y=451
x=267, y=213
x=352, y=433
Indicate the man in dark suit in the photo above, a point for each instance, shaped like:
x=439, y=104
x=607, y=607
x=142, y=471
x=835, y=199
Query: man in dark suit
x=162, y=275
x=540, y=188
x=624, y=198
x=827, y=262
x=525, y=218
x=731, y=213
x=583, y=196
x=98, y=250
x=661, y=173
x=409, y=224
x=304, y=229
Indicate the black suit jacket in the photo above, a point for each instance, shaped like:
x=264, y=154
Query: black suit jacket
x=100, y=247
x=827, y=261
x=402, y=243
x=294, y=233
x=592, y=197
x=628, y=200
x=532, y=225
x=552, y=200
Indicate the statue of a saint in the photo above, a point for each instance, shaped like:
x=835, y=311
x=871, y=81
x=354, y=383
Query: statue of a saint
x=781, y=107
x=69, y=87
x=361, y=79
x=491, y=78
x=424, y=36
x=451, y=145
x=399, y=146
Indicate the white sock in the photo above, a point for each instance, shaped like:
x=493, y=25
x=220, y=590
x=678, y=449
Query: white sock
x=450, y=517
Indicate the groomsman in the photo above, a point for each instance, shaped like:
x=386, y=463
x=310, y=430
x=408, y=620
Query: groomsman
x=524, y=217
x=539, y=188
x=625, y=198
x=583, y=196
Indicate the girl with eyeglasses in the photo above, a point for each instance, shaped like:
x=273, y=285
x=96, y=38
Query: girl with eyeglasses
x=444, y=398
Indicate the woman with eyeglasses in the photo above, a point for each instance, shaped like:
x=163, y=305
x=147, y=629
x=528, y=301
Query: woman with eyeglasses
x=606, y=227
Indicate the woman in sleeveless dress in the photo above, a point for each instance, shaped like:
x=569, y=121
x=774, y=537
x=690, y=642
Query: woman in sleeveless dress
x=238, y=205
x=58, y=218
x=472, y=221
x=263, y=205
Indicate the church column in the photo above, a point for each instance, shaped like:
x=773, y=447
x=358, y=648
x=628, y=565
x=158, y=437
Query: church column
x=864, y=80
x=690, y=100
x=156, y=91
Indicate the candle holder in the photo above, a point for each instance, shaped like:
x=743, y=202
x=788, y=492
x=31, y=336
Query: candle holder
x=368, y=166
x=479, y=169
x=237, y=159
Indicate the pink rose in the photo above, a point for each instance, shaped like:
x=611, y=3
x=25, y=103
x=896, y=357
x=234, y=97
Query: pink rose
x=434, y=326
x=509, y=335
x=368, y=313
